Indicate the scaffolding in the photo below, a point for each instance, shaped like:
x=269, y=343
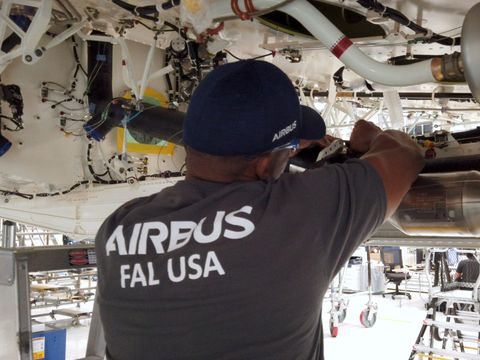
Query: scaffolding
x=23, y=235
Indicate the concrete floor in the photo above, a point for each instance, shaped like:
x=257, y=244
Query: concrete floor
x=392, y=336
x=395, y=331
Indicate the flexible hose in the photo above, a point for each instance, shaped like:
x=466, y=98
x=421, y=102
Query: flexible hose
x=400, y=18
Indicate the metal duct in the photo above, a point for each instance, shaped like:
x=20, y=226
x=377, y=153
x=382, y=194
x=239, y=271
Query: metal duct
x=471, y=49
x=441, y=205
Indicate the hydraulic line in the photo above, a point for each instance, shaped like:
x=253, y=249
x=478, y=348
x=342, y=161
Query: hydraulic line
x=137, y=10
x=146, y=12
x=410, y=59
x=400, y=18
x=403, y=95
x=338, y=44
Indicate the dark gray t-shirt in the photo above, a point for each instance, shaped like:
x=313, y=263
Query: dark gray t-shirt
x=469, y=268
x=204, y=270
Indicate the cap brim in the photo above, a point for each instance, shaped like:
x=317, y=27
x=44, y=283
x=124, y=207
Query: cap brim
x=313, y=126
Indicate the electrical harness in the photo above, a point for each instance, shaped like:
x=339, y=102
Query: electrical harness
x=29, y=196
x=400, y=18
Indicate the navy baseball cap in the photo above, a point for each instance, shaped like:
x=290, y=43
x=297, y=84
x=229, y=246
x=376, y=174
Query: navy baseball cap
x=246, y=108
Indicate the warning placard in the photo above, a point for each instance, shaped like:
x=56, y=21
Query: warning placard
x=38, y=345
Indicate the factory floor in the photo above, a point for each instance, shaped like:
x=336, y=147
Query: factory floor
x=392, y=336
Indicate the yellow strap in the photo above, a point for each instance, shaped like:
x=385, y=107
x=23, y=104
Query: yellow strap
x=432, y=357
x=470, y=347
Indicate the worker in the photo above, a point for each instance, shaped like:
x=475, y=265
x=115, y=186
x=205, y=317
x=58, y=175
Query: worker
x=452, y=257
x=468, y=269
x=233, y=262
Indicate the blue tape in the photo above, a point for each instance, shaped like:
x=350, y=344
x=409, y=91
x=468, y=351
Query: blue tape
x=5, y=147
x=96, y=135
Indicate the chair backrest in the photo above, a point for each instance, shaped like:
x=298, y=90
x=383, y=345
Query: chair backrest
x=391, y=257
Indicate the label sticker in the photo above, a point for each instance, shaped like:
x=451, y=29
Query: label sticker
x=38, y=345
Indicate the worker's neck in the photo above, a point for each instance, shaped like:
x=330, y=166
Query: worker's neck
x=220, y=178
x=222, y=169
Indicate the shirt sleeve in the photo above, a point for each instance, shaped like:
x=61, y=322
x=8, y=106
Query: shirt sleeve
x=344, y=204
x=460, y=266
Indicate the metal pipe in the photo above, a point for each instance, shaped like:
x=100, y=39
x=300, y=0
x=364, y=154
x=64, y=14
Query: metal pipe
x=146, y=70
x=441, y=352
x=341, y=46
x=99, y=38
x=471, y=49
x=65, y=10
x=24, y=319
x=8, y=234
x=442, y=204
x=127, y=68
x=66, y=4
x=451, y=164
x=403, y=95
x=58, y=39
x=410, y=108
x=427, y=271
x=66, y=303
x=448, y=68
x=14, y=27
x=38, y=27
x=351, y=56
x=5, y=10
x=162, y=72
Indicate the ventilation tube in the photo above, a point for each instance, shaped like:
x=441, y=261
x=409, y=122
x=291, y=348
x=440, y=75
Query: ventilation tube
x=107, y=114
x=161, y=123
x=446, y=68
x=441, y=205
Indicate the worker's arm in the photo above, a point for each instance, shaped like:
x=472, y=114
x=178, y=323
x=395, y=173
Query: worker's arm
x=459, y=271
x=397, y=159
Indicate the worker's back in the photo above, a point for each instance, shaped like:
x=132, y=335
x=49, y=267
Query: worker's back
x=470, y=269
x=205, y=270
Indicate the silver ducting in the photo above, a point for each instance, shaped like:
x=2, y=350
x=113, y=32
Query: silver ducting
x=445, y=204
x=471, y=49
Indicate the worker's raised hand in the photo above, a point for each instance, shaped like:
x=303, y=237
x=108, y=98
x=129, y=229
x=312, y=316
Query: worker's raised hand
x=362, y=136
x=327, y=140
x=322, y=143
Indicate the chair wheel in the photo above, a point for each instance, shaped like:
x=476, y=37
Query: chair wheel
x=341, y=315
x=367, y=319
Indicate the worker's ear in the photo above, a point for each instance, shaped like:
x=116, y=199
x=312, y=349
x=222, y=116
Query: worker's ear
x=263, y=166
x=271, y=166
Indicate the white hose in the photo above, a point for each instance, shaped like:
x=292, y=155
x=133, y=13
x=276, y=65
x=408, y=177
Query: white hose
x=328, y=34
